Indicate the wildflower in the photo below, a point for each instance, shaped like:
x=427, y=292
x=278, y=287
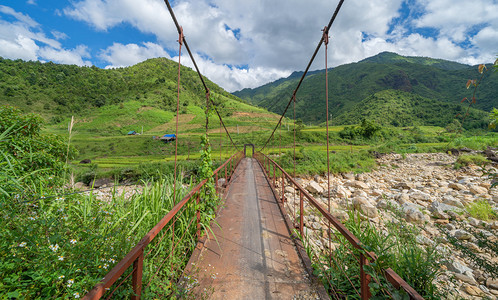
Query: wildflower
x=32, y=218
x=73, y=241
x=22, y=245
x=106, y=266
x=70, y=282
x=76, y=295
x=61, y=277
x=61, y=257
x=54, y=247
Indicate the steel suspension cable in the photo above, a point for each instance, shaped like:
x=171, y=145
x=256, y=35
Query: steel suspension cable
x=180, y=30
x=326, y=42
x=326, y=31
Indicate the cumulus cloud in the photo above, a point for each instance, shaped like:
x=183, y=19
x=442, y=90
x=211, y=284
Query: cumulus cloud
x=248, y=43
x=119, y=55
x=24, y=39
x=70, y=57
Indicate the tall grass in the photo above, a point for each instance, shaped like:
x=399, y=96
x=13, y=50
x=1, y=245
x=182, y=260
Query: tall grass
x=63, y=246
x=395, y=248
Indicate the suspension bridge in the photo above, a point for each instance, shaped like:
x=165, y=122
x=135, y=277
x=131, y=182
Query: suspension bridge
x=256, y=248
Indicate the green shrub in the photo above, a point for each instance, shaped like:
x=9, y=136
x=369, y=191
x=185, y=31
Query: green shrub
x=470, y=159
x=482, y=210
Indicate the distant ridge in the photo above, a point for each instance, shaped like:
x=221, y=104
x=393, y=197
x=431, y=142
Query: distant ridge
x=436, y=80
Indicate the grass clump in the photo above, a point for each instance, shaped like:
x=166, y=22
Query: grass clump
x=470, y=159
x=482, y=210
x=395, y=247
x=311, y=162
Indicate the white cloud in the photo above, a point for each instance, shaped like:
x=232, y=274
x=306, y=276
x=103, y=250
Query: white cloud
x=20, y=48
x=24, y=39
x=70, y=57
x=32, y=2
x=269, y=39
x=119, y=55
x=59, y=35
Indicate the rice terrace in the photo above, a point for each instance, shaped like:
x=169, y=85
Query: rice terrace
x=252, y=150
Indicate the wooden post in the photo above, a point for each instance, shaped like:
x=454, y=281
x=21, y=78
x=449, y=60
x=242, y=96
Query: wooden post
x=138, y=265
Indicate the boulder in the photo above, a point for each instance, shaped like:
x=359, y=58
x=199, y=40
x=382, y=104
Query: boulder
x=478, y=190
x=412, y=213
x=314, y=188
x=456, y=186
x=419, y=195
x=369, y=210
x=450, y=200
x=461, y=234
x=79, y=186
x=492, y=283
x=457, y=267
x=439, y=209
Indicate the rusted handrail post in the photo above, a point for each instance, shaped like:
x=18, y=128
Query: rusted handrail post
x=198, y=213
x=274, y=176
x=283, y=190
x=216, y=182
x=364, y=278
x=136, y=280
x=301, y=214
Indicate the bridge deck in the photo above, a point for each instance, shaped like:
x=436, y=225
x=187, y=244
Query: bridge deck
x=253, y=256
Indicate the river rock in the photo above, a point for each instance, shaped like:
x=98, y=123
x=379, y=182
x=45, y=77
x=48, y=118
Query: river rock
x=419, y=195
x=450, y=200
x=478, y=190
x=465, y=278
x=472, y=290
x=457, y=267
x=456, y=186
x=413, y=213
x=492, y=283
x=461, y=234
x=314, y=188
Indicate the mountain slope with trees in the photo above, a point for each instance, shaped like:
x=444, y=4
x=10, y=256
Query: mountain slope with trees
x=55, y=90
x=440, y=81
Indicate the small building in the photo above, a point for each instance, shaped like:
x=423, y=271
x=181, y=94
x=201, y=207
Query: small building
x=133, y=132
x=168, y=138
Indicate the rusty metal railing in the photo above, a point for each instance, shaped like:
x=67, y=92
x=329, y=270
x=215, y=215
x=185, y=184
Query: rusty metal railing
x=270, y=168
x=136, y=256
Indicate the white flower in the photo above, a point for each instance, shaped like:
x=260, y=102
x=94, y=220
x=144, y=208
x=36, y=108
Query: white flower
x=61, y=277
x=22, y=245
x=73, y=241
x=76, y=295
x=54, y=247
x=106, y=266
x=61, y=257
x=70, y=282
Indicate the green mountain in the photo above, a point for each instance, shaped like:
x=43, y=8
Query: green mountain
x=399, y=108
x=55, y=90
x=440, y=81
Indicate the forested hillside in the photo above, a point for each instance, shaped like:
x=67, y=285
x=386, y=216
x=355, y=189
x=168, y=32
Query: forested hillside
x=439, y=81
x=55, y=90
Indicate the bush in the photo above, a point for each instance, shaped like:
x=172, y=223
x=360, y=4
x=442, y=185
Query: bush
x=28, y=157
x=470, y=159
x=481, y=210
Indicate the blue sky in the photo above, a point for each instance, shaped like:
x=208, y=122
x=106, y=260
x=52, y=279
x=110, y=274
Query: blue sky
x=245, y=43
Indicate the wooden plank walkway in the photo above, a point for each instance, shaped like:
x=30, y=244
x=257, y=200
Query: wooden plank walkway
x=253, y=256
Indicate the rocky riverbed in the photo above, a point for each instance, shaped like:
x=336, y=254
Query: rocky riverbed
x=429, y=193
